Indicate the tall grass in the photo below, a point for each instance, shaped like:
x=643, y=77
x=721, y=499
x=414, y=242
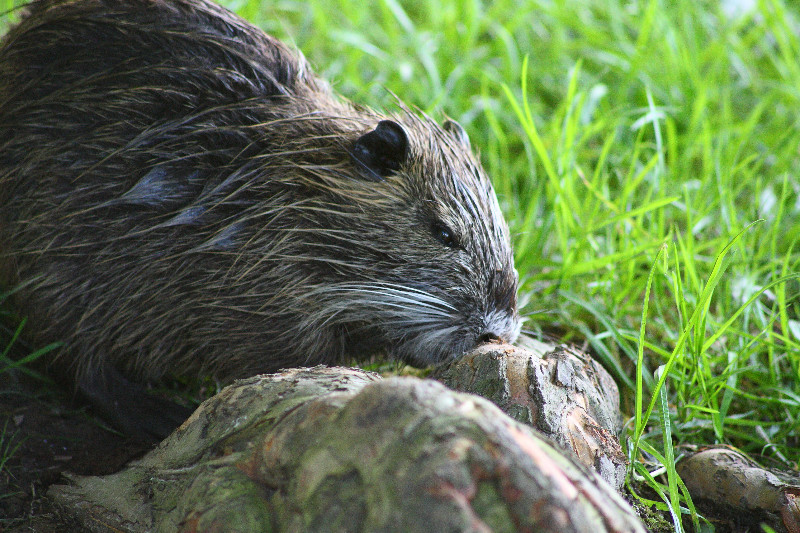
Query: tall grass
x=647, y=154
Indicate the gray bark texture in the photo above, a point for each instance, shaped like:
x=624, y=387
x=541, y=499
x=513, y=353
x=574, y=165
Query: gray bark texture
x=336, y=449
x=560, y=391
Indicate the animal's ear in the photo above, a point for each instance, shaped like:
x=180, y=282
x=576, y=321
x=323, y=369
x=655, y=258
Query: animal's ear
x=454, y=128
x=382, y=151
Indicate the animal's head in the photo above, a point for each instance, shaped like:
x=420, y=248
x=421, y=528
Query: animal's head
x=414, y=248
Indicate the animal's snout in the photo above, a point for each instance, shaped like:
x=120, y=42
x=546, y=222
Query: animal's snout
x=499, y=326
x=489, y=337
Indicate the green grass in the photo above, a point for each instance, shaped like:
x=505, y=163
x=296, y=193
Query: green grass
x=9, y=444
x=647, y=155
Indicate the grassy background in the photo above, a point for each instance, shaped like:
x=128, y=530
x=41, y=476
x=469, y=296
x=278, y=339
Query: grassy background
x=647, y=154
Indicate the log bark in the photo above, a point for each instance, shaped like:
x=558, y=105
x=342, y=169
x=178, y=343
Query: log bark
x=730, y=484
x=332, y=449
x=558, y=390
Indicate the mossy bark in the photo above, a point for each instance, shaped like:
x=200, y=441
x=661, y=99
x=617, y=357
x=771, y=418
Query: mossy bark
x=334, y=449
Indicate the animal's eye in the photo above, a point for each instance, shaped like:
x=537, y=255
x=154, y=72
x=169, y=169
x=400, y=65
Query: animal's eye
x=444, y=235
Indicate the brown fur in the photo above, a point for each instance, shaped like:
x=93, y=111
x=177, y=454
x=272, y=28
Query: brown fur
x=179, y=194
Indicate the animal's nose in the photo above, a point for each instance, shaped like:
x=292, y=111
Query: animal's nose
x=499, y=326
x=489, y=337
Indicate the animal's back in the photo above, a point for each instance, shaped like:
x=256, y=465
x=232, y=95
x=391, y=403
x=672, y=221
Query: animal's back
x=134, y=71
x=116, y=165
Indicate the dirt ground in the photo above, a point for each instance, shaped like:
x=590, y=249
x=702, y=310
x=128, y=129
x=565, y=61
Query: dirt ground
x=43, y=434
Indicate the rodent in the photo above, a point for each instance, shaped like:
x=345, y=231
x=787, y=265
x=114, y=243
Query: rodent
x=181, y=194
